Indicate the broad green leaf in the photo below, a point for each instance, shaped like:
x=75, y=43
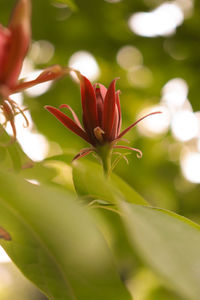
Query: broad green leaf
x=90, y=181
x=55, y=243
x=169, y=243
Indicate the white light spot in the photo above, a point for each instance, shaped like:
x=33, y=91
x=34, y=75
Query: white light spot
x=33, y=181
x=18, y=98
x=175, y=92
x=190, y=165
x=140, y=77
x=4, y=258
x=155, y=124
x=85, y=62
x=27, y=68
x=38, y=89
x=161, y=21
x=41, y=52
x=33, y=144
x=184, y=125
x=129, y=57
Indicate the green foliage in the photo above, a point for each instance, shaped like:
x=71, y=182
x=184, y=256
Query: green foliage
x=79, y=235
x=55, y=243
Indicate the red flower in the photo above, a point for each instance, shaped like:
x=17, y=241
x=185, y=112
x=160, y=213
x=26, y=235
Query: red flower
x=101, y=118
x=14, y=43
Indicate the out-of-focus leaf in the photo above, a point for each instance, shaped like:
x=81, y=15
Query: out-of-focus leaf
x=169, y=243
x=71, y=3
x=90, y=181
x=12, y=149
x=55, y=243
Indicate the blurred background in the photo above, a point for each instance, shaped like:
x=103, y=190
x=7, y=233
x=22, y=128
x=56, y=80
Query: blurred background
x=154, y=47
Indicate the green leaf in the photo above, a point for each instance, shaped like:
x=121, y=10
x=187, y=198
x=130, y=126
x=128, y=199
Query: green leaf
x=55, y=243
x=169, y=243
x=12, y=148
x=90, y=181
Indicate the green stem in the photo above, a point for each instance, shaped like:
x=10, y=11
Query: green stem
x=105, y=153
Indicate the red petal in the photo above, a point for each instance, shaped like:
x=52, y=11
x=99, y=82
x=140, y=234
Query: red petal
x=102, y=88
x=4, y=43
x=100, y=92
x=67, y=122
x=132, y=125
x=109, y=110
x=51, y=73
x=76, y=120
x=89, y=105
x=119, y=112
x=19, y=41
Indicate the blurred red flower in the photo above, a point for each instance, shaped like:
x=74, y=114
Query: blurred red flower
x=14, y=44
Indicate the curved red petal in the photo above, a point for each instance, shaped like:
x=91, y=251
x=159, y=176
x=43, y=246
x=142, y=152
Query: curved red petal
x=109, y=110
x=89, y=105
x=76, y=119
x=135, y=123
x=50, y=73
x=67, y=122
x=119, y=112
x=20, y=30
x=102, y=88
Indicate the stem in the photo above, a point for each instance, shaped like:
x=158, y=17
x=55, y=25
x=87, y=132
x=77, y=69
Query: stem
x=104, y=153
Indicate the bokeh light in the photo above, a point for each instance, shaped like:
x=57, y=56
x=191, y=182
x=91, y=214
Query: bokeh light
x=129, y=57
x=162, y=21
x=174, y=93
x=41, y=52
x=85, y=62
x=184, y=125
x=155, y=124
x=33, y=144
x=140, y=77
x=4, y=258
x=190, y=165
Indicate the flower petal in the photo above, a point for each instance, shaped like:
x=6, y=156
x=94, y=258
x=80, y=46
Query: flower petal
x=89, y=105
x=20, y=30
x=76, y=120
x=4, y=43
x=67, y=122
x=119, y=112
x=109, y=110
x=51, y=73
x=135, y=123
x=101, y=88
